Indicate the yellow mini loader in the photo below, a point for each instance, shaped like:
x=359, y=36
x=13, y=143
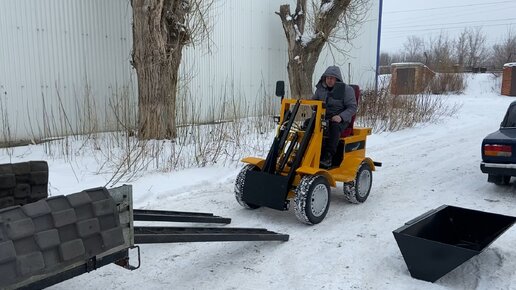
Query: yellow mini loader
x=291, y=170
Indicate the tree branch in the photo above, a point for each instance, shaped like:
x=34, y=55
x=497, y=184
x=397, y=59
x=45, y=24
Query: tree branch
x=300, y=16
x=288, y=24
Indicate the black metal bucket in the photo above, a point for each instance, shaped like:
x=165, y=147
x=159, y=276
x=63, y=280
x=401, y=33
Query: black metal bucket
x=440, y=240
x=265, y=189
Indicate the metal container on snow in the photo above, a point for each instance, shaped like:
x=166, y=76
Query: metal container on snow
x=440, y=240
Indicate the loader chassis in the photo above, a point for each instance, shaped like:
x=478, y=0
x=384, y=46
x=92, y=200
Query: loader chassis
x=295, y=154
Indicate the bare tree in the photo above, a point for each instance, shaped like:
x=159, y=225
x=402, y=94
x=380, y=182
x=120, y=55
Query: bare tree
x=397, y=57
x=385, y=59
x=309, y=30
x=477, y=50
x=414, y=49
x=461, y=48
x=505, y=51
x=389, y=58
x=161, y=29
x=440, y=56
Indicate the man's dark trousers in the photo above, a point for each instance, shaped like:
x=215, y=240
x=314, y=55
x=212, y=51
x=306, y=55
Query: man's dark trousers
x=333, y=132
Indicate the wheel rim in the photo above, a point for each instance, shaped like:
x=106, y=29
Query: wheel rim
x=364, y=182
x=319, y=200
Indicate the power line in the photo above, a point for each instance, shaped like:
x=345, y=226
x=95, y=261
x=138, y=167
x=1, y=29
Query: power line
x=446, y=7
x=450, y=28
x=387, y=28
x=473, y=12
x=421, y=18
x=458, y=14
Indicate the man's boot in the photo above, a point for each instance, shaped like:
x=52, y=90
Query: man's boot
x=326, y=160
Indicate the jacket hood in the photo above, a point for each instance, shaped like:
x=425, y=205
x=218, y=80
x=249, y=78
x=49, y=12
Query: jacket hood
x=331, y=71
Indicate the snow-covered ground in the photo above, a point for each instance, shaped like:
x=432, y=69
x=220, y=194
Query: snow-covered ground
x=353, y=248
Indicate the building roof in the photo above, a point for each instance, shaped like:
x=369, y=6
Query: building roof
x=408, y=64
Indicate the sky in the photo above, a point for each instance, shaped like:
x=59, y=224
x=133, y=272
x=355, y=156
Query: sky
x=423, y=18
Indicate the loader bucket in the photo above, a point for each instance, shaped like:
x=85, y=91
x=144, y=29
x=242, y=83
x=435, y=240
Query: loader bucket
x=440, y=240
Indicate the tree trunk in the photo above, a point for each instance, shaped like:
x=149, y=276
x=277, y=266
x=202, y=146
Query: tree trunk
x=159, y=36
x=303, y=50
x=300, y=77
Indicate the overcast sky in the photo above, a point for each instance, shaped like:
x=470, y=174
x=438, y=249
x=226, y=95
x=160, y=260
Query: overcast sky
x=427, y=18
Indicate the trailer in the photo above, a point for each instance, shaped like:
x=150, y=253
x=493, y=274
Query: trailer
x=47, y=240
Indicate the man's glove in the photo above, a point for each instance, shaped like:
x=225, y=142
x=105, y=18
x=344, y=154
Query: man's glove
x=336, y=119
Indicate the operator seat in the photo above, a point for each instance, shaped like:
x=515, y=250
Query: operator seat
x=349, y=130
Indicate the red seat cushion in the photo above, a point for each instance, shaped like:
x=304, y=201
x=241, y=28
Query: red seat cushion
x=349, y=130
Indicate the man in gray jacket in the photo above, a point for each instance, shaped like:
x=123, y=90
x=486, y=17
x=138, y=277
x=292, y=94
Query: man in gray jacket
x=341, y=105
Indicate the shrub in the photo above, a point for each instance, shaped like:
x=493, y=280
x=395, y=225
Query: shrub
x=444, y=83
x=386, y=112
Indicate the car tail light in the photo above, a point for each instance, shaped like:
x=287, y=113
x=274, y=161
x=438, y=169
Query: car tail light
x=497, y=150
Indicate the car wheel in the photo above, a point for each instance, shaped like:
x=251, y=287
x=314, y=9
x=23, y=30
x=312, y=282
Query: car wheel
x=239, y=186
x=312, y=199
x=499, y=179
x=358, y=190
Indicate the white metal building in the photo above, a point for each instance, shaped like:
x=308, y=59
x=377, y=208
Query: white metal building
x=65, y=64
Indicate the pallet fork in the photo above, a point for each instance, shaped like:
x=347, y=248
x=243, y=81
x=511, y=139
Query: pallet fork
x=128, y=237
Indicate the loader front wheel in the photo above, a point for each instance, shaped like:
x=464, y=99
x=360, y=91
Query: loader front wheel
x=357, y=191
x=239, y=186
x=312, y=199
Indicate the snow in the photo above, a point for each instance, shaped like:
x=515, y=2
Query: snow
x=353, y=248
x=327, y=7
x=407, y=64
x=306, y=38
x=510, y=64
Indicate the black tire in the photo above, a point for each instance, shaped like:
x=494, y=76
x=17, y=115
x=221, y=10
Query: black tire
x=358, y=190
x=499, y=179
x=239, y=186
x=312, y=199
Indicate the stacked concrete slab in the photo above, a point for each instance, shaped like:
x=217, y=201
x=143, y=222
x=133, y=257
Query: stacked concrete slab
x=51, y=234
x=22, y=183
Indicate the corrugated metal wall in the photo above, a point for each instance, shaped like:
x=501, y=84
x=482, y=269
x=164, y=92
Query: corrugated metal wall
x=65, y=64
x=61, y=61
x=248, y=55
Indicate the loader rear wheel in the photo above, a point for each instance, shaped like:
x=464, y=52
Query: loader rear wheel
x=357, y=191
x=312, y=199
x=239, y=186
